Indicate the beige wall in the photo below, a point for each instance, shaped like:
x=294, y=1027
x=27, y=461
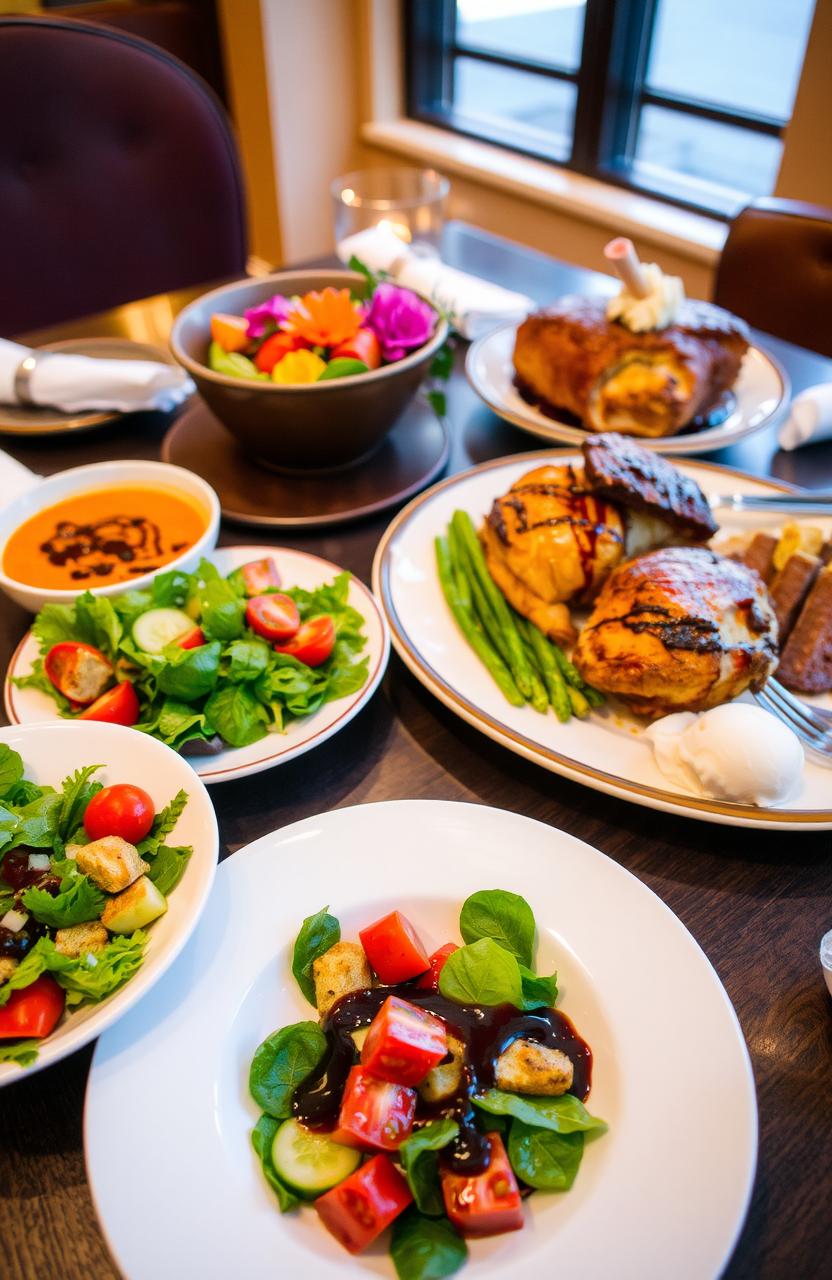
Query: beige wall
x=806, y=170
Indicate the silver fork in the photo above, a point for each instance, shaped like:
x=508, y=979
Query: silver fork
x=812, y=725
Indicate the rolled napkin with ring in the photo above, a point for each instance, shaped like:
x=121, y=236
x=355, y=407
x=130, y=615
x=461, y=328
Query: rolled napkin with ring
x=474, y=306
x=74, y=384
x=810, y=418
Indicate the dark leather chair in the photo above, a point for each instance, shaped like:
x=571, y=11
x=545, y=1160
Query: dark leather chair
x=119, y=175
x=776, y=271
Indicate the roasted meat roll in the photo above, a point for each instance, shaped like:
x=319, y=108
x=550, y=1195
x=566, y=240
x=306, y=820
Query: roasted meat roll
x=681, y=629
x=572, y=357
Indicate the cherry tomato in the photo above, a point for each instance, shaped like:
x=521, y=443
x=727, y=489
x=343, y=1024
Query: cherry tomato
x=275, y=348
x=33, y=1010
x=313, y=642
x=393, y=949
x=192, y=639
x=364, y=346
x=259, y=576
x=430, y=981
x=359, y=1208
x=117, y=706
x=485, y=1204
x=375, y=1114
x=404, y=1043
x=78, y=671
x=274, y=617
x=121, y=810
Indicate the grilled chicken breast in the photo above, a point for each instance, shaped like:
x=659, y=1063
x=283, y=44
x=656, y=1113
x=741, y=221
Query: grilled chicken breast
x=680, y=629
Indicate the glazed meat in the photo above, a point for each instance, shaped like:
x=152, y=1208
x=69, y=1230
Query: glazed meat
x=644, y=384
x=638, y=479
x=681, y=629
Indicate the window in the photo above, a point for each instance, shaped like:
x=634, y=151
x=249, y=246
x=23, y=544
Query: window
x=687, y=99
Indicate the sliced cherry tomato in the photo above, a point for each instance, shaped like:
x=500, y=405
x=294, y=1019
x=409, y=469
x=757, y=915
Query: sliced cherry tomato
x=430, y=981
x=313, y=641
x=393, y=949
x=375, y=1115
x=78, y=671
x=403, y=1043
x=487, y=1203
x=364, y=346
x=192, y=639
x=275, y=348
x=359, y=1208
x=33, y=1010
x=259, y=576
x=121, y=810
x=274, y=617
x=117, y=706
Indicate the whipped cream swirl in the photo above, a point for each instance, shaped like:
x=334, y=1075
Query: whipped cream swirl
x=659, y=309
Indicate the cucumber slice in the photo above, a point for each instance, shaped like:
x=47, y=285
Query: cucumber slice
x=159, y=627
x=310, y=1162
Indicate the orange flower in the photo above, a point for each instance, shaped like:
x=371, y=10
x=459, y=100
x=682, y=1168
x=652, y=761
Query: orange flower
x=325, y=319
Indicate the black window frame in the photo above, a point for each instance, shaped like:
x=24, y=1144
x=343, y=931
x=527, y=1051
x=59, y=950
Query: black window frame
x=611, y=91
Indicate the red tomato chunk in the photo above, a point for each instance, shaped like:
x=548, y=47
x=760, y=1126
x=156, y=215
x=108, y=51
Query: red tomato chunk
x=430, y=981
x=403, y=1043
x=359, y=1208
x=375, y=1114
x=488, y=1203
x=32, y=1011
x=393, y=949
x=117, y=706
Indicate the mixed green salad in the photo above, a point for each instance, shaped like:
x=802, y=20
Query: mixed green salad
x=84, y=869
x=199, y=658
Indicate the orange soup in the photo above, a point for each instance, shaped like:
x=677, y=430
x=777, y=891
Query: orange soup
x=104, y=536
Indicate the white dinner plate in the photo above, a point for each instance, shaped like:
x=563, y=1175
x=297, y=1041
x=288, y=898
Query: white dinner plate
x=760, y=392
x=663, y=1193
x=297, y=569
x=51, y=752
x=608, y=750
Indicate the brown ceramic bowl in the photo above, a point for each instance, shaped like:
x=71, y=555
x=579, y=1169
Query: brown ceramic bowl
x=316, y=426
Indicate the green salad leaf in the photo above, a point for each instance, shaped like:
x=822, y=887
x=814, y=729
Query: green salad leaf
x=76, y=793
x=262, y=1137
x=566, y=1114
x=426, y=1248
x=164, y=823
x=281, y=1063
x=543, y=1158
x=189, y=674
x=91, y=976
x=420, y=1161
x=505, y=917
x=233, y=364
x=317, y=934
x=78, y=901
x=11, y=769
x=343, y=367
x=538, y=991
x=237, y=715
x=23, y=1052
x=167, y=866
x=482, y=973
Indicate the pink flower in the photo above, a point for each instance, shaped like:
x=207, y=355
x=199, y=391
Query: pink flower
x=267, y=315
x=400, y=320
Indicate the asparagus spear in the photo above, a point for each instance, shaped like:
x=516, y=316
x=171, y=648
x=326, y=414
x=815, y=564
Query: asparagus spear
x=549, y=669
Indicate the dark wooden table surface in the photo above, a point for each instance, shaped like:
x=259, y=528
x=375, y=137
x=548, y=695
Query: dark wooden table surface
x=757, y=902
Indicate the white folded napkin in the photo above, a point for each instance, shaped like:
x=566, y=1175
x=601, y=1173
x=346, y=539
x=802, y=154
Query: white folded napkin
x=475, y=306
x=76, y=383
x=14, y=478
x=810, y=417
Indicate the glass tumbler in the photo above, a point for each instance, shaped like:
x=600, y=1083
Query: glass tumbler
x=410, y=202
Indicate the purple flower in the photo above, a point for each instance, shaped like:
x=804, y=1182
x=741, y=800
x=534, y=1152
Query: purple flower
x=268, y=313
x=400, y=320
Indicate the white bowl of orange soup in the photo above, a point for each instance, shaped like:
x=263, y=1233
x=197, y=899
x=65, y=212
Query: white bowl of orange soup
x=107, y=527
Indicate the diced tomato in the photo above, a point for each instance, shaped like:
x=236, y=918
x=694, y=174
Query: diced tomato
x=364, y=346
x=78, y=671
x=375, y=1115
x=231, y=332
x=33, y=1010
x=121, y=810
x=117, y=706
x=192, y=639
x=259, y=576
x=313, y=641
x=274, y=617
x=275, y=348
x=359, y=1208
x=404, y=1043
x=430, y=981
x=484, y=1204
x=393, y=949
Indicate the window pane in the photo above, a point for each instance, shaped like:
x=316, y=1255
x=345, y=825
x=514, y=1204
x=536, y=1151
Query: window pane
x=734, y=161
x=743, y=54
x=549, y=31
x=531, y=110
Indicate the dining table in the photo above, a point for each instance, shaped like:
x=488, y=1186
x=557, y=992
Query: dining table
x=756, y=901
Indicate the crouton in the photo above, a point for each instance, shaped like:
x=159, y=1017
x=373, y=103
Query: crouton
x=72, y=850
x=111, y=863
x=7, y=968
x=342, y=969
x=526, y=1067
x=443, y=1081
x=78, y=939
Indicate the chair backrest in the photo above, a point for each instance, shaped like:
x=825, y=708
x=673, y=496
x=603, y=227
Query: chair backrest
x=776, y=271
x=119, y=175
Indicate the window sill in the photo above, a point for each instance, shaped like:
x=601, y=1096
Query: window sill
x=624, y=212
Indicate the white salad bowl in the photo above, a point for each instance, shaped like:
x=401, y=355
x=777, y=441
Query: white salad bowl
x=51, y=752
x=45, y=492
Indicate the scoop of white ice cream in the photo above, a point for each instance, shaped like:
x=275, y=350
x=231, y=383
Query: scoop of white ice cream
x=657, y=310
x=736, y=752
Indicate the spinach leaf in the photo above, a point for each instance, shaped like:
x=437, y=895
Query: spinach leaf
x=23, y=792
x=171, y=590
x=481, y=973
x=190, y=673
x=420, y=1162
x=130, y=604
x=79, y=899
x=23, y=1052
x=566, y=1114
x=248, y=659
x=503, y=916
x=426, y=1248
x=236, y=714
x=544, y=1159
x=11, y=769
x=538, y=991
x=222, y=615
x=37, y=824
x=76, y=793
x=97, y=623
x=317, y=934
x=342, y=367
x=281, y=1063
x=344, y=675
x=179, y=721
x=262, y=1137
x=167, y=866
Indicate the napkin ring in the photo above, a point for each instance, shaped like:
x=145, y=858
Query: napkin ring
x=23, y=379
